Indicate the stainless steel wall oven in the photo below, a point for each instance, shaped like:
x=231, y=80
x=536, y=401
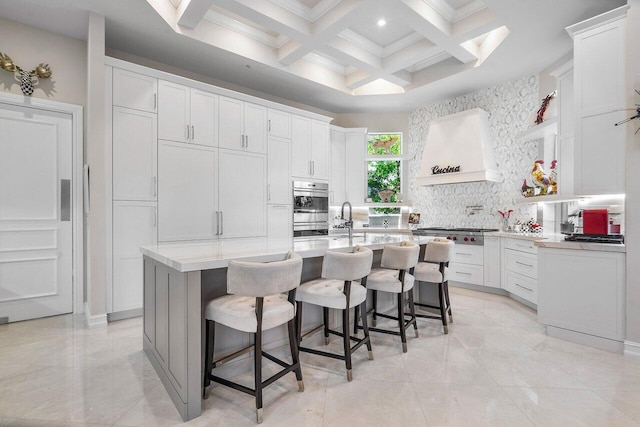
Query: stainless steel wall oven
x=310, y=208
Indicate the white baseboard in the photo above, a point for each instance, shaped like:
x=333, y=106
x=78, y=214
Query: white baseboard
x=631, y=349
x=96, y=320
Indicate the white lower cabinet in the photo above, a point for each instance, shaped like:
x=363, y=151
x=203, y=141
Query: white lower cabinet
x=492, y=264
x=242, y=194
x=466, y=266
x=583, y=292
x=134, y=225
x=280, y=221
x=187, y=192
x=520, y=269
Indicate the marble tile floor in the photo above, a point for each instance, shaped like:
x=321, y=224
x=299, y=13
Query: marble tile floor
x=495, y=368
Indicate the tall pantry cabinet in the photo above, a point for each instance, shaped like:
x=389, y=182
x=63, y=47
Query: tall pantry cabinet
x=192, y=162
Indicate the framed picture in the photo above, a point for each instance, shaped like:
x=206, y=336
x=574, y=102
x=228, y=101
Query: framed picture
x=414, y=218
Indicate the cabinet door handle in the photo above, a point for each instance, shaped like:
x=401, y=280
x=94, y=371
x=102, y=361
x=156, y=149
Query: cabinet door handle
x=155, y=186
x=155, y=102
x=463, y=272
x=221, y=223
x=309, y=167
x=193, y=132
x=242, y=143
x=155, y=216
x=187, y=132
x=246, y=143
x=523, y=287
x=269, y=125
x=217, y=224
x=268, y=191
x=522, y=263
x=313, y=167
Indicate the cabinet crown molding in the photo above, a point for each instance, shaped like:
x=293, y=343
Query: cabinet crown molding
x=596, y=21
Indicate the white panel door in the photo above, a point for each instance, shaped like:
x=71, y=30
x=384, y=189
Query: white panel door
x=134, y=225
x=492, y=265
x=204, y=118
x=280, y=221
x=231, y=127
x=319, y=150
x=255, y=128
x=242, y=194
x=134, y=154
x=279, y=189
x=133, y=90
x=355, y=167
x=173, y=112
x=337, y=181
x=35, y=213
x=187, y=192
x=279, y=123
x=300, y=147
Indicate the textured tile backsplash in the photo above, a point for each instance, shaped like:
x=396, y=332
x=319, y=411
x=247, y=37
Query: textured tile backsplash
x=510, y=106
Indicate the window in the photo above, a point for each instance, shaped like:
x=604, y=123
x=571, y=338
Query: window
x=384, y=168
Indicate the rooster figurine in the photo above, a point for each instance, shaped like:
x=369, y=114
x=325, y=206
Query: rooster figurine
x=553, y=176
x=539, y=178
x=527, y=190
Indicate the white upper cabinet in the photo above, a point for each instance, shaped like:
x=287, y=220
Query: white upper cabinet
x=279, y=189
x=300, y=147
x=243, y=126
x=186, y=114
x=599, y=83
x=134, y=154
x=133, y=90
x=337, y=193
x=310, y=148
x=187, y=192
x=355, y=165
x=242, y=194
x=279, y=123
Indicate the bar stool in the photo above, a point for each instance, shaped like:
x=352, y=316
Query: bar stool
x=335, y=290
x=435, y=270
x=256, y=304
x=396, y=277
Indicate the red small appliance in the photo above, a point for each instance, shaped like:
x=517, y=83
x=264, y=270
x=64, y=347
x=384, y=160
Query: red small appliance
x=595, y=221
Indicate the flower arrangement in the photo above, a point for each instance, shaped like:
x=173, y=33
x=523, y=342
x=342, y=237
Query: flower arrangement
x=506, y=214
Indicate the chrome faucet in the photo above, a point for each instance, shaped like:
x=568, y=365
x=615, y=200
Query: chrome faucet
x=348, y=224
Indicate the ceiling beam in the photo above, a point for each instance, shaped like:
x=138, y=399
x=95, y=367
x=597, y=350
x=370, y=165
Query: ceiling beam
x=191, y=12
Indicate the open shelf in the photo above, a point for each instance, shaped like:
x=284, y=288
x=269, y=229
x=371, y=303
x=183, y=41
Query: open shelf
x=546, y=128
x=552, y=198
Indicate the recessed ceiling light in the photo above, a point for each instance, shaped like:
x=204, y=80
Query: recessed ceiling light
x=381, y=22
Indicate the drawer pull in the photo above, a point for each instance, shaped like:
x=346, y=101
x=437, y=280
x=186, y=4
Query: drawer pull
x=463, y=272
x=462, y=253
x=524, y=287
x=526, y=265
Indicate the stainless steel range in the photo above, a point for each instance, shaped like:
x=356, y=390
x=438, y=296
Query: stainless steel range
x=464, y=236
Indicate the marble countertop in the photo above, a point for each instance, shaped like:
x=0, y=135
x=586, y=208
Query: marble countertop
x=557, y=241
x=193, y=256
x=335, y=231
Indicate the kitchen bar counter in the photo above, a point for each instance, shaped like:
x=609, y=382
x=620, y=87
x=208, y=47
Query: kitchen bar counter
x=520, y=236
x=179, y=280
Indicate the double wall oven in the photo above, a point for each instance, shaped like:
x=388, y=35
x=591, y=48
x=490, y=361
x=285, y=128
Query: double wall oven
x=310, y=208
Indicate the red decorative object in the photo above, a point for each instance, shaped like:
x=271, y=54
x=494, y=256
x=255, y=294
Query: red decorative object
x=545, y=103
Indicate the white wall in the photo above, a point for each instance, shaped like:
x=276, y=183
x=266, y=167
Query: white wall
x=632, y=203
x=29, y=46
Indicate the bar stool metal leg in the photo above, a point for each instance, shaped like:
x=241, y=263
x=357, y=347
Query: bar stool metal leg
x=295, y=355
x=325, y=319
x=375, y=308
x=443, y=312
x=446, y=294
x=403, y=331
x=346, y=341
x=257, y=361
x=412, y=309
x=299, y=321
x=365, y=328
x=356, y=315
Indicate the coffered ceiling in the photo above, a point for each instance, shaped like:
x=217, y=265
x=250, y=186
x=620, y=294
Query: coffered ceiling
x=358, y=47
x=331, y=54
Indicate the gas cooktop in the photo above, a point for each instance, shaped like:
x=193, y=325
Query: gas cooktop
x=466, y=236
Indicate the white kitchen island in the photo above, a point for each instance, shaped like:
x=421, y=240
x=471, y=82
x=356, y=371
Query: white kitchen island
x=180, y=278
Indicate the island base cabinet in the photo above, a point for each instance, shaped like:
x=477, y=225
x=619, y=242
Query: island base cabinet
x=171, y=328
x=583, y=293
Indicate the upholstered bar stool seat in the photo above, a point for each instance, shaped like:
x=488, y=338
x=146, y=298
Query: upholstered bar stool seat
x=239, y=312
x=395, y=277
x=435, y=270
x=385, y=280
x=337, y=289
x=330, y=293
x=257, y=303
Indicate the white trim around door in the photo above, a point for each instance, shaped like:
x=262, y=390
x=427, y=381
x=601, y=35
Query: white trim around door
x=76, y=113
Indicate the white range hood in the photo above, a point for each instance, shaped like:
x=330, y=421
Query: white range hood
x=458, y=149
